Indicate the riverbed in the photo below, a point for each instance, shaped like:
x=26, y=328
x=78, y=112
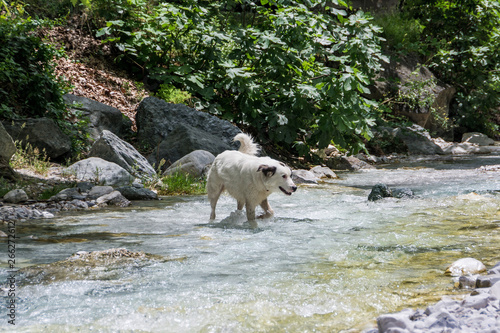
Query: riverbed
x=330, y=260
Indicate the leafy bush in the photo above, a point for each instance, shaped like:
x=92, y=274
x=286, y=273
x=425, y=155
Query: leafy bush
x=29, y=87
x=293, y=72
x=181, y=183
x=462, y=43
x=172, y=95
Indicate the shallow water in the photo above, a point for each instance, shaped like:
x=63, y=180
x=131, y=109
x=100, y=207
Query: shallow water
x=329, y=261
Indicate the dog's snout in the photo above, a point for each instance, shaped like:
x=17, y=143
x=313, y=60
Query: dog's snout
x=294, y=188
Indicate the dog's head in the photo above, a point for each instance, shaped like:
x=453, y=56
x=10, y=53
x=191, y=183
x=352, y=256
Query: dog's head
x=277, y=176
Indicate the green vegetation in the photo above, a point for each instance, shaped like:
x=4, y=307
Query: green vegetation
x=28, y=157
x=294, y=72
x=181, y=183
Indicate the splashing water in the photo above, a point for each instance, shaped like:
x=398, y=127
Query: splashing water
x=329, y=260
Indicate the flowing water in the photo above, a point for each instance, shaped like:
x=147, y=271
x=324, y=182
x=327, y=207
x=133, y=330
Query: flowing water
x=328, y=261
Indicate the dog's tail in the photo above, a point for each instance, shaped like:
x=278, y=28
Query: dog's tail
x=247, y=146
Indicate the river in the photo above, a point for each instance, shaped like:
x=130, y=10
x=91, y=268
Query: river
x=329, y=260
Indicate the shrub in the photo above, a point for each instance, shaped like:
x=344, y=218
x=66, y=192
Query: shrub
x=293, y=72
x=462, y=40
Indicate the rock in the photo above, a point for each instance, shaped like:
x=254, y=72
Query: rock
x=68, y=194
x=15, y=196
x=114, y=198
x=41, y=133
x=183, y=140
x=323, y=172
x=479, y=139
x=99, y=171
x=395, y=322
x=418, y=141
x=487, y=281
x=99, y=191
x=402, y=193
x=347, y=163
x=111, y=148
x=467, y=281
x=195, y=164
x=83, y=265
x=157, y=119
x=477, y=301
x=495, y=269
x=304, y=177
x=495, y=290
x=7, y=146
x=101, y=116
x=465, y=266
x=399, y=77
x=136, y=193
x=379, y=191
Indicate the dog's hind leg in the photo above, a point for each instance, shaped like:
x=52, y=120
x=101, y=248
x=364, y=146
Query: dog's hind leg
x=213, y=197
x=268, y=211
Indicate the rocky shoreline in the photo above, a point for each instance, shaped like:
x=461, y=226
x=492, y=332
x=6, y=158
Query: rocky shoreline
x=478, y=312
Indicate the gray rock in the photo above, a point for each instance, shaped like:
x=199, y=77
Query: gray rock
x=136, y=193
x=68, y=194
x=479, y=139
x=111, y=148
x=304, y=177
x=495, y=290
x=157, y=119
x=401, y=193
x=183, y=140
x=467, y=281
x=99, y=171
x=99, y=191
x=15, y=196
x=379, y=191
x=41, y=133
x=323, y=172
x=395, y=322
x=418, y=141
x=114, y=198
x=195, y=164
x=7, y=146
x=347, y=163
x=101, y=116
x=486, y=281
x=477, y=302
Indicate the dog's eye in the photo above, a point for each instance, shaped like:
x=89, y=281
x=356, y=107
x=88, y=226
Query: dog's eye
x=284, y=176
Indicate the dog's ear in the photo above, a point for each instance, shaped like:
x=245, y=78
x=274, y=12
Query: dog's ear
x=267, y=170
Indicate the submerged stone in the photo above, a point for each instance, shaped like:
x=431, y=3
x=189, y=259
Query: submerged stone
x=96, y=265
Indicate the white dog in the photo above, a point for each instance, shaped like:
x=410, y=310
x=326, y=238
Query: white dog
x=248, y=178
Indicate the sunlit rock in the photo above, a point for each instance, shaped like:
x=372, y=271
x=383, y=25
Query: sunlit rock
x=465, y=266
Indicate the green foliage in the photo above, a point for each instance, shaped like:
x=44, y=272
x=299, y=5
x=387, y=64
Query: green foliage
x=462, y=43
x=29, y=87
x=291, y=73
x=181, y=183
x=172, y=95
x=28, y=157
x=401, y=33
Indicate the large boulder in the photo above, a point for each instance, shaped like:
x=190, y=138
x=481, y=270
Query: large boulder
x=101, y=116
x=479, y=139
x=185, y=128
x=111, y=148
x=195, y=164
x=41, y=133
x=406, y=76
x=97, y=170
x=7, y=149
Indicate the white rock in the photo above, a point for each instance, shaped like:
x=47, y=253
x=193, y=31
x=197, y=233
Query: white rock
x=465, y=266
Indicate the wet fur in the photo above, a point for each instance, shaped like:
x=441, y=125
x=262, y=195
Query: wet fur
x=247, y=178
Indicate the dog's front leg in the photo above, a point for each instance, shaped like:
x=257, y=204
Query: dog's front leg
x=268, y=211
x=250, y=212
